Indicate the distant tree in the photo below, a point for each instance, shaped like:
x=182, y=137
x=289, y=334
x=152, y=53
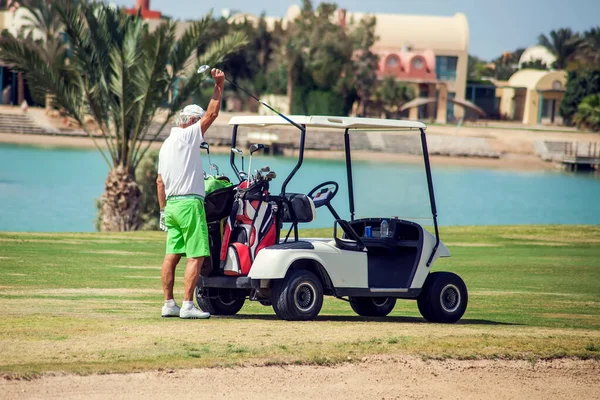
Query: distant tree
x=393, y=95
x=478, y=69
x=580, y=84
x=563, y=43
x=365, y=62
x=589, y=48
x=535, y=64
x=588, y=113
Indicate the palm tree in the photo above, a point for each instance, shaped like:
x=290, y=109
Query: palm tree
x=563, y=44
x=589, y=47
x=119, y=73
x=43, y=20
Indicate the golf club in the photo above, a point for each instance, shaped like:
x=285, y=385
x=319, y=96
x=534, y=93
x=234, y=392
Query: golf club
x=239, y=153
x=203, y=68
x=206, y=147
x=253, y=149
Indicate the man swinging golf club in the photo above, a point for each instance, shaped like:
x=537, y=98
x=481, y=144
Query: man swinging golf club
x=180, y=185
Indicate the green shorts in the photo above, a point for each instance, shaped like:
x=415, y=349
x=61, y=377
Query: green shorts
x=187, y=232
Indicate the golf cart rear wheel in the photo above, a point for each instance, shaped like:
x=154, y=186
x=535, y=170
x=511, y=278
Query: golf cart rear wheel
x=444, y=298
x=372, y=306
x=219, y=301
x=298, y=297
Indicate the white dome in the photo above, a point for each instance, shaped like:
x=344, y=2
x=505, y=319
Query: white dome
x=537, y=53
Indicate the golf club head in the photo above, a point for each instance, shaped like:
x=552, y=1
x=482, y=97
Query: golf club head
x=266, y=168
x=256, y=147
x=214, y=166
x=203, y=68
x=271, y=175
x=237, y=151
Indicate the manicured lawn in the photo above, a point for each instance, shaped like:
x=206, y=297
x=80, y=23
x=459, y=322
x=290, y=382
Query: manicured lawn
x=88, y=303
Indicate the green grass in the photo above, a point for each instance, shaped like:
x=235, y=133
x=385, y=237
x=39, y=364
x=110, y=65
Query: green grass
x=90, y=303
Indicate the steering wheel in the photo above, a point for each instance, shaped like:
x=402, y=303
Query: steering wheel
x=323, y=193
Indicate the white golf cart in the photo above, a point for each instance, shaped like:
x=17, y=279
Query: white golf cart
x=360, y=264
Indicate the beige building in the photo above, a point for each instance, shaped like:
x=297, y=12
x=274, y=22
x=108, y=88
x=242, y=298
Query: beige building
x=533, y=96
x=431, y=52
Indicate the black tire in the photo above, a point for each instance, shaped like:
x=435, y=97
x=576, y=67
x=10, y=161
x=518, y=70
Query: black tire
x=298, y=297
x=444, y=298
x=372, y=306
x=220, y=301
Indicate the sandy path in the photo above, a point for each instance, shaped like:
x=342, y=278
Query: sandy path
x=377, y=378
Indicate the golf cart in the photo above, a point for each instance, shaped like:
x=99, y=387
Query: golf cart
x=368, y=262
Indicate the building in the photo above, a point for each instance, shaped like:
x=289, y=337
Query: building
x=430, y=52
x=533, y=96
x=143, y=7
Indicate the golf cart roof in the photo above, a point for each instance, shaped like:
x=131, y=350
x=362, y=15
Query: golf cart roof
x=322, y=121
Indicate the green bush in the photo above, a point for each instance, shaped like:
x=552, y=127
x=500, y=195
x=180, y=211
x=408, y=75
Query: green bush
x=579, y=85
x=146, y=178
x=588, y=113
x=317, y=102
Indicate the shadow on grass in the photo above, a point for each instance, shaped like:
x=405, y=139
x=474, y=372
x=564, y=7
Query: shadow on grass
x=356, y=318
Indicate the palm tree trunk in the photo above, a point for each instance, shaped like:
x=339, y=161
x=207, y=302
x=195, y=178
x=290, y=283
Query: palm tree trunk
x=120, y=208
x=49, y=103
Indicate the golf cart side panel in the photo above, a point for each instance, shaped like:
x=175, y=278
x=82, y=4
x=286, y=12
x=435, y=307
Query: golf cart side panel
x=423, y=270
x=345, y=268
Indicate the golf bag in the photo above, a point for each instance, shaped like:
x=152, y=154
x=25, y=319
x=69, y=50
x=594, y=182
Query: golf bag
x=220, y=194
x=250, y=228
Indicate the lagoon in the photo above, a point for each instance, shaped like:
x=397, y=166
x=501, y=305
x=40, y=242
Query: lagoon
x=55, y=190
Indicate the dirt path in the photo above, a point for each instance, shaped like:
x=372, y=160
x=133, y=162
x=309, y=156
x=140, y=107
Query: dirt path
x=377, y=378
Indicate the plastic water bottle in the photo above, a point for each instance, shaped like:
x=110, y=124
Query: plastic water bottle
x=384, y=229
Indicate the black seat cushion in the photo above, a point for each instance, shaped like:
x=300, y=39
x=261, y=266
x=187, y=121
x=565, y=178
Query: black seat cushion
x=298, y=208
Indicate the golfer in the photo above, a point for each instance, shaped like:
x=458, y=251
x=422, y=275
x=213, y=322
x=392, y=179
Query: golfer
x=180, y=185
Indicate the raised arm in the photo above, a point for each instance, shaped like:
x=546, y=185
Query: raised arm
x=212, y=111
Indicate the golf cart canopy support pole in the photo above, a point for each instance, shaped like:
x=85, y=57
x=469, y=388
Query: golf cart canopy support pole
x=300, y=155
x=431, y=196
x=232, y=155
x=349, y=173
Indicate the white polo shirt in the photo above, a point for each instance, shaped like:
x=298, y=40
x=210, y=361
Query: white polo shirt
x=179, y=162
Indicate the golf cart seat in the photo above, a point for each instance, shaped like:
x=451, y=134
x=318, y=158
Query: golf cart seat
x=298, y=208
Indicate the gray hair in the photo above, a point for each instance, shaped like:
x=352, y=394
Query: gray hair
x=185, y=119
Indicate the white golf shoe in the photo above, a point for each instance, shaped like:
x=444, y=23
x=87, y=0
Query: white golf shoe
x=170, y=311
x=193, y=313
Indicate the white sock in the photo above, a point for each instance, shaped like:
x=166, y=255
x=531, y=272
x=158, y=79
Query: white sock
x=170, y=303
x=187, y=305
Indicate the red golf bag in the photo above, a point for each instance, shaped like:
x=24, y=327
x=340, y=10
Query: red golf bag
x=250, y=228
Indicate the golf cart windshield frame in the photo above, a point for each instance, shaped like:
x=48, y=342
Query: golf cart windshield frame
x=348, y=152
x=411, y=125
x=302, y=129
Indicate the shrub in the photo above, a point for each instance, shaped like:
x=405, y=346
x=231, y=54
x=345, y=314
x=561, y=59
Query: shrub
x=588, y=113
x=579, y=85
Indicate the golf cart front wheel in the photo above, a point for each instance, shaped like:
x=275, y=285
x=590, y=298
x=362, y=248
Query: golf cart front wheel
x=298, y=297
x=372, y=306
x=444, y=298
x=220, y=301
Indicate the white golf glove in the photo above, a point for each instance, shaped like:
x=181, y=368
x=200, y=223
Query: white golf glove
x=163, y=226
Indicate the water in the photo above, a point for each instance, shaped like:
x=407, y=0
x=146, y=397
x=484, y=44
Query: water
x=55, y=190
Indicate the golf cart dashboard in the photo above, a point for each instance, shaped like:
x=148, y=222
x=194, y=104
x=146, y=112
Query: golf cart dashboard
x=402, y=233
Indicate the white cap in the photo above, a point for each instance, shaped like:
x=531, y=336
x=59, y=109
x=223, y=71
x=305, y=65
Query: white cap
x=193, y=110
